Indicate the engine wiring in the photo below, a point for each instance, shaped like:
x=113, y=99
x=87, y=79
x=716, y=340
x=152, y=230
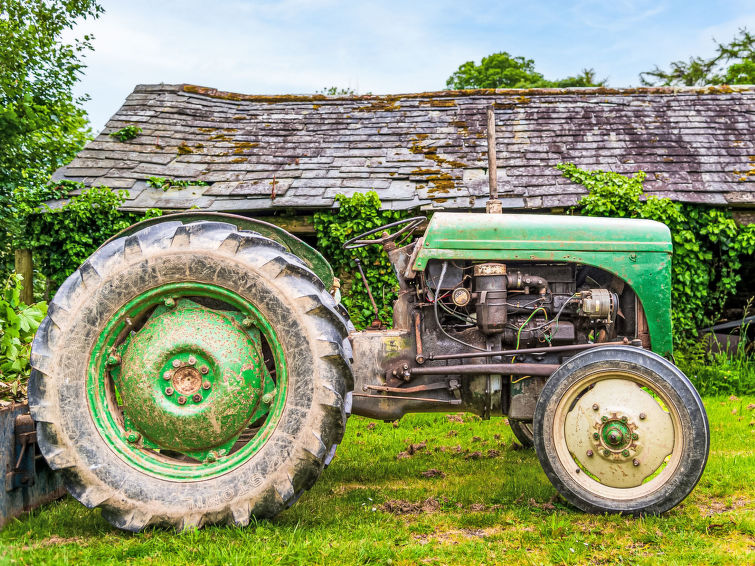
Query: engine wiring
x=437, y=319
x=519, y=332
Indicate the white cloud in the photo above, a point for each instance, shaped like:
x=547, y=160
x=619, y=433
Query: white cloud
x=297, y=46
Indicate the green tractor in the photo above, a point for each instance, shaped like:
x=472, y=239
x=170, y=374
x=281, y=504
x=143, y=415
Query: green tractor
x=197, y=369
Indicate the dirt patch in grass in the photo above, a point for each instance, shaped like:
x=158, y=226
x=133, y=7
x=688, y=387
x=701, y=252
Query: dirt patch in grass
x=403, y=507
x=411, y=450
x=452, y=536
x=434, y=505
x=54, y=541
x=712, y=507
x=433, y=473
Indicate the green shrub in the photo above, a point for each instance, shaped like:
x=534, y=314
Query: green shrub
x=18, y=323
x=356, y=214
x=708, y=243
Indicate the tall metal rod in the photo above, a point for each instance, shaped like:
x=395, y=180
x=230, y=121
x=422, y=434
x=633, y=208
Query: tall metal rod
x=492, y=166
x=494, y=205
x=376, y=323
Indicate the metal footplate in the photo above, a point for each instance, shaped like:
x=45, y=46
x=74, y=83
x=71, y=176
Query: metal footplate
x=29, y=482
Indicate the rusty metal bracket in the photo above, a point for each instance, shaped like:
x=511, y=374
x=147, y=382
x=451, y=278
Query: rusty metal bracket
x=417, y=389
x=407, y=398
x=24, y=454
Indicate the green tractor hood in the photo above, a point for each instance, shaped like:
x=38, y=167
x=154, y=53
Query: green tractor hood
x=460, y=231
x=637, y=251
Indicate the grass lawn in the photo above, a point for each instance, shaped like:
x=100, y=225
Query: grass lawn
x=485, y=501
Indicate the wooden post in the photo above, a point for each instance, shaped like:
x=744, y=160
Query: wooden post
x=494, y=205
x=23, y=265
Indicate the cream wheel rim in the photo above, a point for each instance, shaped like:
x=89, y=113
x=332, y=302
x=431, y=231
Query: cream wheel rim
x=615, y=438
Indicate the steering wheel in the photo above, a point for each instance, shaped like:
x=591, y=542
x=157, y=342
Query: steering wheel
x=359, y=242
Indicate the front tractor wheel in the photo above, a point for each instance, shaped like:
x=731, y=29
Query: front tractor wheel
x=190, y=374
x=621, y=430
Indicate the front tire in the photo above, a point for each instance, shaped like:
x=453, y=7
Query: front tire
x=247, y=434
x=621, y=430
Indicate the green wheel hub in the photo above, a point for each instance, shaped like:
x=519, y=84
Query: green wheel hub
x=191, y=378
x=181, y=389
x=616, y=435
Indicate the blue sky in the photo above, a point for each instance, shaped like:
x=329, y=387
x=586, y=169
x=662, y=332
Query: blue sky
x=300, y=46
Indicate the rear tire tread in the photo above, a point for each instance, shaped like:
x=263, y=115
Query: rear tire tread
x=247, y=248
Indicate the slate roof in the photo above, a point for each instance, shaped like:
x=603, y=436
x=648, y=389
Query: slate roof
x=271, y=152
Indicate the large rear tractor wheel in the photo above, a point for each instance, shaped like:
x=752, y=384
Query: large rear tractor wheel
x=188, y=375
x=621, y=430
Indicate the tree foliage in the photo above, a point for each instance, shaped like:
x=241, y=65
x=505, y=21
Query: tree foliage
x=42, y=124
x=502, y=70
x=733, y=63
x=708, y=243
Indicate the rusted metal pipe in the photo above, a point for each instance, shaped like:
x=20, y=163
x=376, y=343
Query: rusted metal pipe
x=418, y=338
x=546, y=350
x=543, y=370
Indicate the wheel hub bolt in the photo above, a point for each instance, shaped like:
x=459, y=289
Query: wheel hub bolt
x=595, y=435
x=623, y=419
x=192, y=360
x=247, y=323
x=625, y=453
x=604, y=418
x=211, y=457
x=169, y=302
x=642, y=416
x=113, y=360
x=167, y=375
x=176, y=363
x=204, y=369
x=133, y=437
x=606, y=452
x=635, y=436
x=636, y=462
x=169, y=391
x=267, y=398
x=197, y=398
x=181, y=400
x=589, y=453
x=206, y=385
x=614, y=437
x=595, y=407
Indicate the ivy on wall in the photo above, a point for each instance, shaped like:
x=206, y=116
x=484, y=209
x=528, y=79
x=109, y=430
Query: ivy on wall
x=354, y=215
x=708, y=243
x=62, y=238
